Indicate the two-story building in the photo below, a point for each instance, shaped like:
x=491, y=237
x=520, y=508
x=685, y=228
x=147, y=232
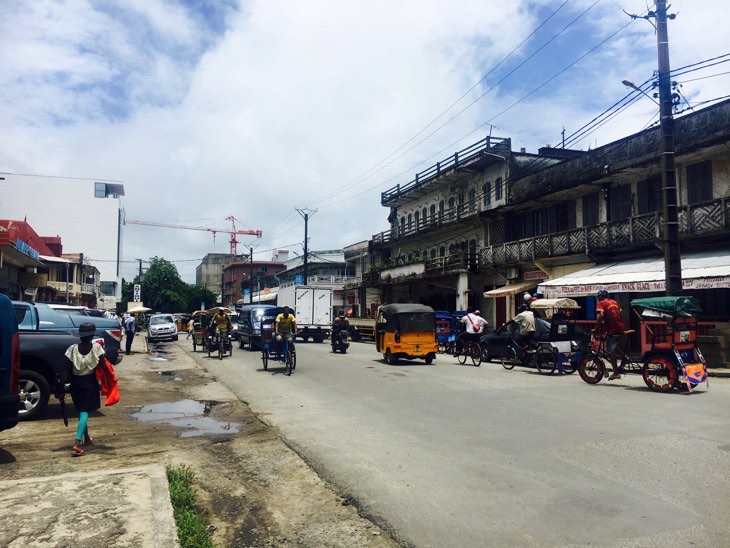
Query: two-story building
x=487, y=224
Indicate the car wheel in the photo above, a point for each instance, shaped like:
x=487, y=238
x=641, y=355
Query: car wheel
x=34, y=395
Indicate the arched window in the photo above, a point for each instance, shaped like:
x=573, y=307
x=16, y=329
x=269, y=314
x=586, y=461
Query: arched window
x=472, y=200
x=441, y=210
x=416, y=216
x=442, y=251
x=424, y=216
x=402, y=225
x=452, y=208
x=498, y=188
x=433, y=214
x=487, y=190
x=452, y=249
x=410, y=221
x=433, y=253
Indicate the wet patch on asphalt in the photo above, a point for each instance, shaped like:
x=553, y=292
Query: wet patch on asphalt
x=191, y=415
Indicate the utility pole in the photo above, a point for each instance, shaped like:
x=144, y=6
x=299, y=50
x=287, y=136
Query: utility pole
x=670, y=215
x=305, y=215
x=672, y=256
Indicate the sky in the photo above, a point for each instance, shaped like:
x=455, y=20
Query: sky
x=262, y=110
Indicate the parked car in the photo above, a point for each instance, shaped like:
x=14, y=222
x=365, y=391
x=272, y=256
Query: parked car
x=45, y=335
x=77, y=309
x=162, y=327
x=9, y=365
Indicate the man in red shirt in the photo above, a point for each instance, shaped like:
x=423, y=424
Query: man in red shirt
x=611, y=324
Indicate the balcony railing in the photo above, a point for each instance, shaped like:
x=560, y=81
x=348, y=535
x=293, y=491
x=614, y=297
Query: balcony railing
x=696, y=220
x=474, y=151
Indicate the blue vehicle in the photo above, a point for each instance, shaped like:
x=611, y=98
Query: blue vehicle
x=446, y=327
x=270, y=347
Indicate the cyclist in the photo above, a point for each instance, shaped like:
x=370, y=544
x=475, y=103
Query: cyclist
x=221, y=321
x=610, y=324
x=285, y=328
x=474, y=327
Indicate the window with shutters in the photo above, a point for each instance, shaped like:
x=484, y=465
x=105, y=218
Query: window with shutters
x=498, y=189
x=487, y=190
x=590, y=210
x=620, y=203
x=649, y=195
x=699, y=182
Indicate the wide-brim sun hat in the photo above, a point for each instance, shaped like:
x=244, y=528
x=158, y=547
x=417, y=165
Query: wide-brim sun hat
x=86, y=329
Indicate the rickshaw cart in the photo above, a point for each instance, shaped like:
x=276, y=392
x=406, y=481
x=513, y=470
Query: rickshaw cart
x=271, y=348
x=200, y=329
x=557, y=344
x=219, y=342
x=673, y=361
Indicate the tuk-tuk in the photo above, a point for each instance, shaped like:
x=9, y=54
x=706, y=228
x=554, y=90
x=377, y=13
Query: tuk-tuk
x=406, y=331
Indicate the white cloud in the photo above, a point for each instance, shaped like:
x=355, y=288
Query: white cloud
x=293, y=100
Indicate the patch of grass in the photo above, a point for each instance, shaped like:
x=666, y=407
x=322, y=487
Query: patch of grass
x=192, y=530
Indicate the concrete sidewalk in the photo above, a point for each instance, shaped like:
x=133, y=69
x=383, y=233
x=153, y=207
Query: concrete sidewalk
x=93, y=506
x=126, y=507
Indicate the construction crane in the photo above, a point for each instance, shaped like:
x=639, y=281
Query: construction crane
x=233, y=231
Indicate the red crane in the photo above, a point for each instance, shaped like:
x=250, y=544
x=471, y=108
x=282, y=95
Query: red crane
x=232, y=231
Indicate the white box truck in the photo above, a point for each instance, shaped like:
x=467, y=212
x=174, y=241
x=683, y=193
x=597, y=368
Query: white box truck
x=312, y=308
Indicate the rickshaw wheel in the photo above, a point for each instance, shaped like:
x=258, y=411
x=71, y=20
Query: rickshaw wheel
x=461, y=358
x=659, y=372
x=545, y=360
x=485, y=353
x=508, y=362
x=591, y=369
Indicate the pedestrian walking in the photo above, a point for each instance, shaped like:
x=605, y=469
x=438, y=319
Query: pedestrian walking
x=130, y=328
x=190, y=328
x=80, y=371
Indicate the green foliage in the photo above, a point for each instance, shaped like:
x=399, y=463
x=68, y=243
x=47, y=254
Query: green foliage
x=164, y=291
x=192, y=530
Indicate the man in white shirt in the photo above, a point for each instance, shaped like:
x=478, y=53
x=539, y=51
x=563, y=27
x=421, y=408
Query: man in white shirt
x=474, y=327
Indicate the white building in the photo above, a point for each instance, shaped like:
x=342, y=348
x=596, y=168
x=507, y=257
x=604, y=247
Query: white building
x=83, y=212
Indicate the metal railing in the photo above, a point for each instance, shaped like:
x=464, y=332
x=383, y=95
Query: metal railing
x=695, y=220
x=476, y=150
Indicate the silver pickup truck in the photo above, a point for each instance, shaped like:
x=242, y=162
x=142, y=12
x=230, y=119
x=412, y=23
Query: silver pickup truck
x=45, y=335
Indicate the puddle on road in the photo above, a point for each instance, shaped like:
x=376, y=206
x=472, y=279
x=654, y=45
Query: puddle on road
x=171, y=375
x=191, y=415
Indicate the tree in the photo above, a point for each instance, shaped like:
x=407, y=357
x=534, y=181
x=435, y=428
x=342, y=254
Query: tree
x=164, y=291
x=162, y=288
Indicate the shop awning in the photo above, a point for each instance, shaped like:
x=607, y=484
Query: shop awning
x=706, y=270
x=509, y=290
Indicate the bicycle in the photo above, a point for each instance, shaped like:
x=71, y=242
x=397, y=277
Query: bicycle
x=471, y=350
x=657, y=370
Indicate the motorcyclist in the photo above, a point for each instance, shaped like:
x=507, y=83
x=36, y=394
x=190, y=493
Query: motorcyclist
x=338, y=325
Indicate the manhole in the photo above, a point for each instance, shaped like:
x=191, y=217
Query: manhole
x=171, y=375
x=190, y=415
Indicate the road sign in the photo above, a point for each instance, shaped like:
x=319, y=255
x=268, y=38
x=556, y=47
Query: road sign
x=137, y=292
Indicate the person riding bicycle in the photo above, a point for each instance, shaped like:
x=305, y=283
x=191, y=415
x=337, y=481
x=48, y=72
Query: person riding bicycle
x=611, y=325
x=221, y=321
x=474, y=327
x=526, y=322
x=285, y=327
x=338, y=325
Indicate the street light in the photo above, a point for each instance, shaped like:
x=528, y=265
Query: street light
x=629, y=84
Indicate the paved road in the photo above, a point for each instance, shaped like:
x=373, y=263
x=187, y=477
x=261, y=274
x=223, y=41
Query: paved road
x=451, y=455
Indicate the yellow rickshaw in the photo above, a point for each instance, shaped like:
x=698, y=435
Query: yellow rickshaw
x=406, y=331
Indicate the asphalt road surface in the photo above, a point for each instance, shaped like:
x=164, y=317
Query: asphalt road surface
x=455, y=455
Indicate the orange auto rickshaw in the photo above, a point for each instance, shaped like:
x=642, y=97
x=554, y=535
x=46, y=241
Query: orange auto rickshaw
x=406, y=331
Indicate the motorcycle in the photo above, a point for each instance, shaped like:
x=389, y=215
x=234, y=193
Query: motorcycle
x=339, y=341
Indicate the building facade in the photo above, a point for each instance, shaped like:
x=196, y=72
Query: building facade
x=482, y=227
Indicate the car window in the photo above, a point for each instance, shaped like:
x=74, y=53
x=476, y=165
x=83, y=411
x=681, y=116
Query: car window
x=50, y=318
x=156, y=320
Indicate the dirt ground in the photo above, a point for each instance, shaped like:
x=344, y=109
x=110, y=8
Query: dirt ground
x=254, y=490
